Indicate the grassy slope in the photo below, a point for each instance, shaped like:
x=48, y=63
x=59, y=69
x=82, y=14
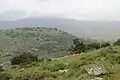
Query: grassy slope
x=76, y=64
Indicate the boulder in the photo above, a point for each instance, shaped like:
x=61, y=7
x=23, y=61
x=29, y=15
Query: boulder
x=96, y=69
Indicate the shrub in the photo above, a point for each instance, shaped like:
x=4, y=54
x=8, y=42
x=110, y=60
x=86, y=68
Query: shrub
x=41, y=60
x=23, y=59
x=4, y=76
x=59, y=66
x=1, y=68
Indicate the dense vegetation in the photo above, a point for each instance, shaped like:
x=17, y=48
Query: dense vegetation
x=79, y=46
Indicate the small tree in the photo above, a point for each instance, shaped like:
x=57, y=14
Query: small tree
x=93, y=46
x=117, y=43
x=78, y=46
x=106, y=44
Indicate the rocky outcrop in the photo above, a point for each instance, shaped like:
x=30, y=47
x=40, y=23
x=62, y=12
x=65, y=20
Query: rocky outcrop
x=96, y=69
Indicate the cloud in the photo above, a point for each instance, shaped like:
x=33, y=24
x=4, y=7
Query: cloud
x=12, y=15
x=77, y=9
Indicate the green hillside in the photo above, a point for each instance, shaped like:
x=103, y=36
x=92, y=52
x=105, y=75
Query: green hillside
x=44, y=42
x=74, y=65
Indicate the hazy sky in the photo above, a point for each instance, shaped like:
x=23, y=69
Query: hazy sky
x=77, y=9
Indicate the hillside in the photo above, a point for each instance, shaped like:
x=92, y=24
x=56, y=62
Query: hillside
x=74, y=66
x=44, y=42
x=108, y=30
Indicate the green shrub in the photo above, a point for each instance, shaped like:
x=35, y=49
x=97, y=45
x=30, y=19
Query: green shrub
x=1, y=68
x=41, y=60
x=4, y=76
x=23, y=59
x=106, y=51
x=59, y=66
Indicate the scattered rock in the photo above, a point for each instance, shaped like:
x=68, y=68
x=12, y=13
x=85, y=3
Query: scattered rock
x=63, y=71
x=96, y=69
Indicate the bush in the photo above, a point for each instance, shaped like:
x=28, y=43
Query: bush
x=1, y=68
x=4, y=76
x=59, y=66
x=23, y=59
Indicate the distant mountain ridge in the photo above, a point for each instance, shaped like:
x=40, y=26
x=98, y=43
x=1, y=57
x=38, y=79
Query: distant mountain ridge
x=107, y=30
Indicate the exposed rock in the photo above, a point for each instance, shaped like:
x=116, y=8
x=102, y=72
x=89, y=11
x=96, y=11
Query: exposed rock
x=96, y=69
x=63, y=71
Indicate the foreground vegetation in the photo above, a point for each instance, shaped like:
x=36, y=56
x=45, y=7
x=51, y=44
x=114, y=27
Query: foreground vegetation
x=73, y=67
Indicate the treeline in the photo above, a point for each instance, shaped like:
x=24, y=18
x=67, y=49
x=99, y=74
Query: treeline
x=79, y=46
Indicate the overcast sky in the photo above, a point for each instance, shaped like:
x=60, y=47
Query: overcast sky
x=77, y=9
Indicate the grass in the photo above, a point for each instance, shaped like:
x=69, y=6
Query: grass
x=49, y=70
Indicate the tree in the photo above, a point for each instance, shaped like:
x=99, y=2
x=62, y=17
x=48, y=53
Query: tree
x=106, y=44
x=117, y=43
x=78, y=46
x=93, y=46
